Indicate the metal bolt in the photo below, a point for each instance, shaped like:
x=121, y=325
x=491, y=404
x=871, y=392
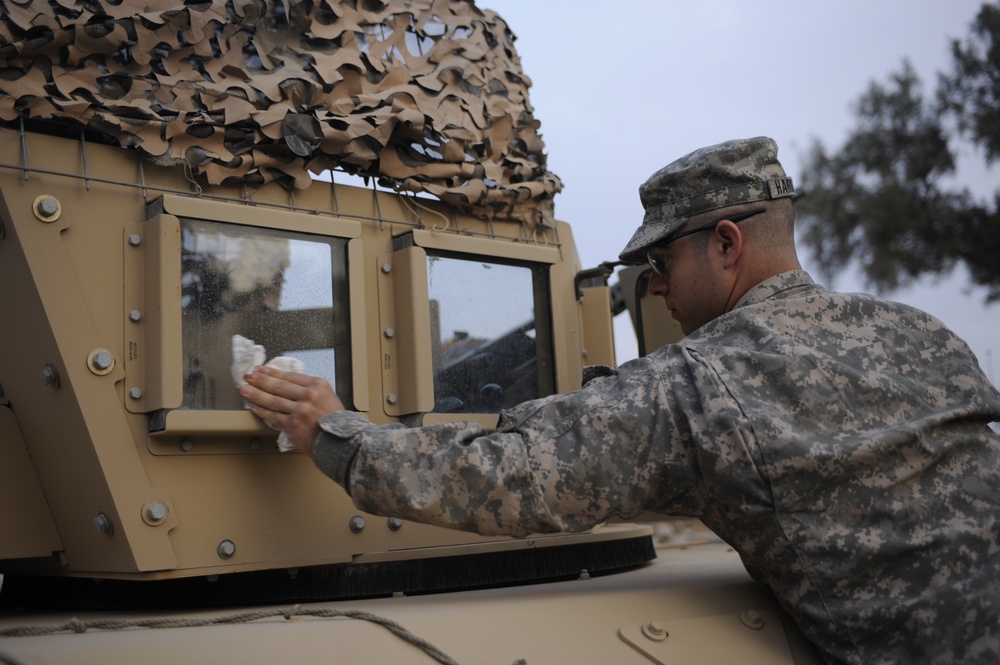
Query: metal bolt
x=391, y=398
x=255, y=444
x=656, y=631
x=50, y=376
x=389, y=332
x=154, y=512
x=135, y=392
x=48, y=206
x=135, y=315
x=752, y=619
x=357, y=524
x=226, y=549
x=187, y=445
x=395, y=524
x=386, y=268
x=102, y=360
x=103, y=524
x=134, y=240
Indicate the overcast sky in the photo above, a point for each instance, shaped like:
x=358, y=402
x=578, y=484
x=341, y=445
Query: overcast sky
x=623, y=88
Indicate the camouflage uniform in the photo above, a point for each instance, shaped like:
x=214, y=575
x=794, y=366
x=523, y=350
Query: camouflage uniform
x=839, y=442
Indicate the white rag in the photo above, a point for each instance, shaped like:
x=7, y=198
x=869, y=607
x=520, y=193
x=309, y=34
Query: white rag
x=246, y=356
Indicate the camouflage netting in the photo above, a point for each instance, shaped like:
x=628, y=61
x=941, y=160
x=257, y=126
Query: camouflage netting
x=426, y=94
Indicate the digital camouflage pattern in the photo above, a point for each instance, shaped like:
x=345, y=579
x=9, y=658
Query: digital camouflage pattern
x=717, y=176
x=839, y=442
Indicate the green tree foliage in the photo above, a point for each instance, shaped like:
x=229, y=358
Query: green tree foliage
x=886, y=199
x=971, y=93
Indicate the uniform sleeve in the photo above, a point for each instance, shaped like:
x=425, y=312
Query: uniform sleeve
x=562, y=463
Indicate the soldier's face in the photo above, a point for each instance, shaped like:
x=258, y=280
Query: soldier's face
x=691, y=287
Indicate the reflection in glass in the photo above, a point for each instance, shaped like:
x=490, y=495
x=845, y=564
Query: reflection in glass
x=486, y=350
x=283, y=290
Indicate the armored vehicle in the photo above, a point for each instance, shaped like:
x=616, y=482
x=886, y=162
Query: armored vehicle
x=172, y=184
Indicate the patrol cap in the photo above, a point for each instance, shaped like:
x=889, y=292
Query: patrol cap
x=718, y=176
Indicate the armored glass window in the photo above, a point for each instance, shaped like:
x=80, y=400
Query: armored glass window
x=285, y=291
x=490, y=331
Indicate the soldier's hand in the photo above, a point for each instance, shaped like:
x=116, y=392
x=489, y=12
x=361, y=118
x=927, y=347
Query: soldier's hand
x=291, y=402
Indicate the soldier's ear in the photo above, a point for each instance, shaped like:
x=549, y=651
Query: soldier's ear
x=729, y=242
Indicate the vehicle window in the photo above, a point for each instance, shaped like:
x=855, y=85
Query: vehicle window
x=285, y=291
x=490, y=333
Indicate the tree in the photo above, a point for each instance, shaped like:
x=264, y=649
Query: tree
x=885, y=198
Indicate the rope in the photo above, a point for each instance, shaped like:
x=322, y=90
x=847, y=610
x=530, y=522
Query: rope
x=77, y=626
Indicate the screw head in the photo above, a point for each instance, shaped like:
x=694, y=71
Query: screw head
x=103, y=524
x=357, y=524
x=50, y=376
x=135, y=392
x=154, y=512
x=656, y=631
x=386, y=268
x=47, y=208
x=135, y=315
x=226, y=549
x=389, y=332
x=134, y=240
x=395, y=524
x=752, y=619
x=100, y=361
x=391, y=398
x=103, y=360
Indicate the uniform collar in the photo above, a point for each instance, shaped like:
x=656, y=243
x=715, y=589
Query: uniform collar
x=775, y=287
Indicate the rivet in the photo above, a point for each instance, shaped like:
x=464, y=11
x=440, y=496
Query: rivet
x=135, y=392
x=134, y=240
x=186, y=444
x=135, y=315
x=386, y=268
x=389, y=332
x=656, y=631
x=391, y=398
x=395, y=524
x=255, y=444
x=154, y=512
x=357, y=524
x=752, y=619
x=226, y=549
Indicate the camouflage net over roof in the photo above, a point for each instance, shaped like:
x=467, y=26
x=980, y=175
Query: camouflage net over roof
x=426, y=94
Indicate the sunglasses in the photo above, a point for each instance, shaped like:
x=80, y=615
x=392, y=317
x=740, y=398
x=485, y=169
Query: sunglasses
x=658, y=262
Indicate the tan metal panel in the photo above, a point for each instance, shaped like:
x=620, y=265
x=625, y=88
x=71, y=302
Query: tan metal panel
x=595, y=312
x=153, y=291
x=407, y=367
x=26, y=526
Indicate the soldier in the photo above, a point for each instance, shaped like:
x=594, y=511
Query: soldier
x=839, y=442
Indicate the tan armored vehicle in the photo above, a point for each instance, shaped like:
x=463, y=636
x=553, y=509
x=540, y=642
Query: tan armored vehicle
x=169, y=189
